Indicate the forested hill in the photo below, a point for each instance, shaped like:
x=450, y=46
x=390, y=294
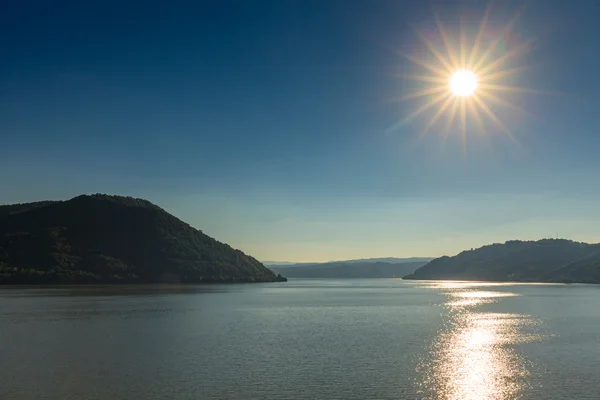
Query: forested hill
x=547, y=260
x=105, y=239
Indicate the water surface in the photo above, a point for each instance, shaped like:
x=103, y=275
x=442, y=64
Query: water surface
x=304, y=339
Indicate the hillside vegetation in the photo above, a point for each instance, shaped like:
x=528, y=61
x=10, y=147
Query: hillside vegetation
x=105, y=239
x=548, y=260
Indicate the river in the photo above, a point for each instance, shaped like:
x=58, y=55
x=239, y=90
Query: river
x=304, y=339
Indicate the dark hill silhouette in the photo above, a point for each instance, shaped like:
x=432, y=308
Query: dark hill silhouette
x=102, y=239
x=547, y=260
x=11, y=209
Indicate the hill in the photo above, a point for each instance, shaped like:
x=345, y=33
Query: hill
x=351, y=269
x=105, y=239
x=392, y=260
x=11, y=209
x=547, y=260
x=387, y=260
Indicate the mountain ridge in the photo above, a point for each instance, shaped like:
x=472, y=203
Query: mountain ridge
x=389, y=260
x=112, y=239
x=545, y=260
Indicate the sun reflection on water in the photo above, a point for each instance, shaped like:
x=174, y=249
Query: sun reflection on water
x=473, y=298
x=474, y=357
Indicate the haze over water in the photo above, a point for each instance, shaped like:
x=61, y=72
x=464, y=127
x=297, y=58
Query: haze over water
x=306, y=339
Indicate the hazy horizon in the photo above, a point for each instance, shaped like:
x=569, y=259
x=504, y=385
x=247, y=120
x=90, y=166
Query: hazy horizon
x=269, y=126
x=270, y=262
x=371, y=252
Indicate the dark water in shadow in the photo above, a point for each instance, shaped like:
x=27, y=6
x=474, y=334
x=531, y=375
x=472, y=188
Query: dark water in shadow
x=305, y=339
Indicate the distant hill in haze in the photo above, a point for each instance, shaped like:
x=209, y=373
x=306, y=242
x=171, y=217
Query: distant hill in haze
x=389, y=260
x=547, y=260
x=267, y=263
x=345, y=269
x=392, y=260
x=106, y=239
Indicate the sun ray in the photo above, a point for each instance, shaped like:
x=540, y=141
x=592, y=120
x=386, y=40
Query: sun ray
x=480, y=33
x=494, y=118
x=445, y=39
x=440, y=57
x=492, y=97
x=451, y=118
x=499, y=61
x=505, y=32
x=420, y=93
x=479, y=121
x=462, y=43
x=475, y=112
x=426, y=106
x=513, y=89
x=492, y=76
x=424, y=78
x=437, y=115
x=431, y=68
x=440, y=97
x=463, y=123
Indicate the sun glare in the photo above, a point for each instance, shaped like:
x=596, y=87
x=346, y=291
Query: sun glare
x=463, y=83
x=463, y=78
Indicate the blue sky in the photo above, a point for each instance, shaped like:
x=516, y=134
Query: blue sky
x=266, y=123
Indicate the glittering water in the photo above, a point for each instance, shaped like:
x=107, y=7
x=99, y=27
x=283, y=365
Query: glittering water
x=305, y=339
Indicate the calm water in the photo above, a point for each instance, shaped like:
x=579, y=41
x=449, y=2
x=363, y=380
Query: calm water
x=305, y=339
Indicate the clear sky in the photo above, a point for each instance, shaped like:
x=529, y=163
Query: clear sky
x=267, y=123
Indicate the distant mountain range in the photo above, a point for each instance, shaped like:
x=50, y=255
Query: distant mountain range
x=369, y=268
x=547, y=260
x=390, y=260
x=267, y=263
x=109, y=239
x=113, y=239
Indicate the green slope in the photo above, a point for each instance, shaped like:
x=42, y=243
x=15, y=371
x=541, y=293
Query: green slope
x=101, y=239
x=548, y=260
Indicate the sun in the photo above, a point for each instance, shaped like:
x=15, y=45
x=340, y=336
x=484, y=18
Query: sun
x=463, y=83
x=463, y=74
